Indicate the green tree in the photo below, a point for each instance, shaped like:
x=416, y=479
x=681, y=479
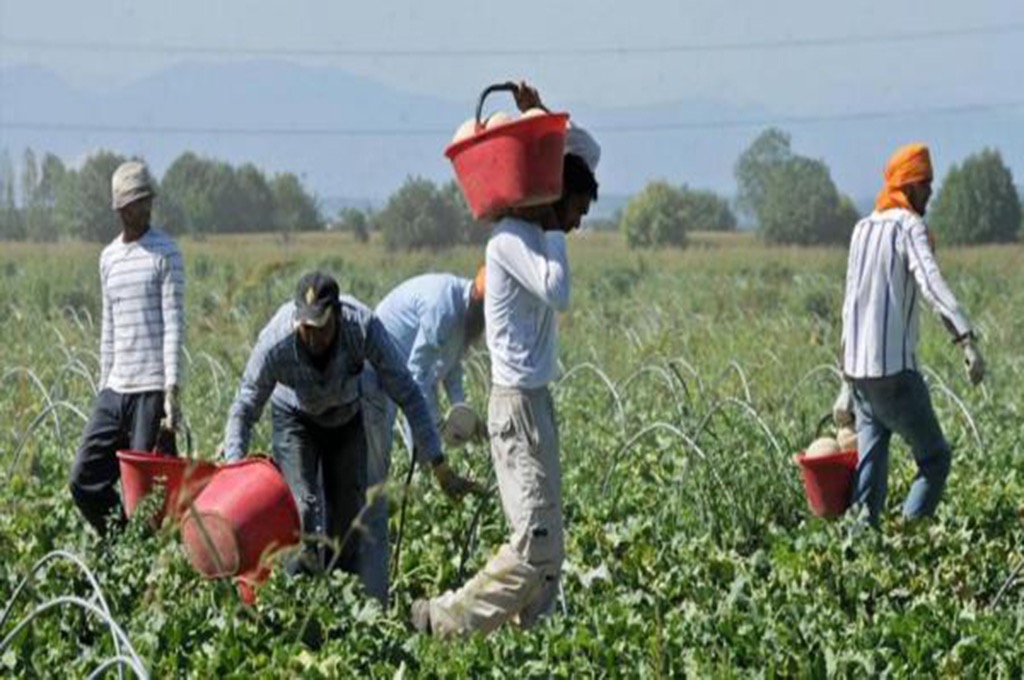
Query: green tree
x=419, y=216
x=978, y=202
x=294, y=209
x=770, y=151
x=706, y=211
x=354, y=221
x=655, y=217
x=468, y=230
x=10, y=217
x=83, y=200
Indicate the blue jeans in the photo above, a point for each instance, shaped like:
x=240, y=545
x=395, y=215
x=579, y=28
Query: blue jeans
x=899, y=403
x=379, y=413
x=325, y=468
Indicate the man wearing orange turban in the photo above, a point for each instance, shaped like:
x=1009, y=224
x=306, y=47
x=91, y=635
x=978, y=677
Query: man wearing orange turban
x=891, y=264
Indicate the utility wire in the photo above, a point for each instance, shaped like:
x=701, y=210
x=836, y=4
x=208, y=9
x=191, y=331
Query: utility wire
x=902, y=37
x=100, y=128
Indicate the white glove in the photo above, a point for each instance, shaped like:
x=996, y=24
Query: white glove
x=973, y=362
x=461, y=426
x=842, y=409
x=172, y=409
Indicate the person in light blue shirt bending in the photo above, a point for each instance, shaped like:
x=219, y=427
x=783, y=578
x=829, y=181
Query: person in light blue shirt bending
x=432, y=319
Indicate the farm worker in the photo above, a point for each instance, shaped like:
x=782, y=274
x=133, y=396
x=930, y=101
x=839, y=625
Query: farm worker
x=527, y=284
x=432, y=319
x=308, y=361
x=142, y=283
x=892, y=264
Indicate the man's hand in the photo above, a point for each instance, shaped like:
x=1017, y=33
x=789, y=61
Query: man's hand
x=454, y=486
x=172, y=409
x=974, y=364
x=842, y=409
x=528, y=98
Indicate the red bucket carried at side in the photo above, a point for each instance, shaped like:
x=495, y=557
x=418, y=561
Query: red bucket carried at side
x=513, y=165
x=182, y=478
x=827, y=481
x=244, y=515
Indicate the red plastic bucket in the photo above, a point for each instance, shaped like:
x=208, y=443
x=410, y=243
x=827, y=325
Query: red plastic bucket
x=183, y=479
x=827, y=481
x=244, y=515
x=516, y=164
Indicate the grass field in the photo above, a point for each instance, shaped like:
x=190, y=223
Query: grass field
x=689, y=380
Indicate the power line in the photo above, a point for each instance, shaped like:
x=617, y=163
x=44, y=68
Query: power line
x=809, y=119
x=544, y=51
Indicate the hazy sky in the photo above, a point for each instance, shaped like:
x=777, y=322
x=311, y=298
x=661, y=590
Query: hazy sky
x=783, y=61
x=817, y=78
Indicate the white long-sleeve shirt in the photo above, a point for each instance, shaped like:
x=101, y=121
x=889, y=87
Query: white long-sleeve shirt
x=890, y=266
x=143, y=285
x=527, y=283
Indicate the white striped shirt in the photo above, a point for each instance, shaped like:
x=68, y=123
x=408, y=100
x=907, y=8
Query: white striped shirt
x=143, y=284
x=890, y=266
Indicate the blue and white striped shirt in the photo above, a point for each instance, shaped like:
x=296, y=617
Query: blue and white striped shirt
x=280, y=369
x=890, y=265
x=143, y=330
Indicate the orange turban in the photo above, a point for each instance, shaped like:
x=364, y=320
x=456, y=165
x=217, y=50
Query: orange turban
x=479, y=284
x=911, y=163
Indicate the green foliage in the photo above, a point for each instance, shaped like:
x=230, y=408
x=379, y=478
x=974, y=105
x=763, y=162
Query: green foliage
x=421, y=216
x=84, y=202
x=686, y=557
x=978, y=202
x=355, y=222
x=662, y=215
x=792, y=197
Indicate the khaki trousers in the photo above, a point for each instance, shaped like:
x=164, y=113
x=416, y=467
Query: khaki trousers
x=521, y=580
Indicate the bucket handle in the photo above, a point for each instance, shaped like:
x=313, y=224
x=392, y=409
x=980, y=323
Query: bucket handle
x=157, y=445
x=507, y=86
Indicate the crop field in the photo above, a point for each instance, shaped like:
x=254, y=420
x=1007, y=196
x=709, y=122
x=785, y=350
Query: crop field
x=690, y=378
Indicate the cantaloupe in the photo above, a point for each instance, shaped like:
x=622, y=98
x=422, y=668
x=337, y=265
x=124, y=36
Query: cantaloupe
x=530, y=113
x=497, y=118
x=847, y=439
x=823, y=446
x=465, y=131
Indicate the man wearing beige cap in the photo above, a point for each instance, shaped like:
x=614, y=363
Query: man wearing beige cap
x=143, y=281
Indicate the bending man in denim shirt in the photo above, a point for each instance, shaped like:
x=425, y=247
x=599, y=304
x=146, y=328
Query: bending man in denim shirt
x=308, y=361
x=432, y=319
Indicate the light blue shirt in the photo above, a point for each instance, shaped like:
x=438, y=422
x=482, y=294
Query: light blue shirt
x=278, y=366
x=426, y=317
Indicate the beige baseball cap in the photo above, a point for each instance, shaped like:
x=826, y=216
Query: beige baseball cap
x=131, y=182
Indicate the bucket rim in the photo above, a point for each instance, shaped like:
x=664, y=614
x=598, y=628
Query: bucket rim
x=456, y=148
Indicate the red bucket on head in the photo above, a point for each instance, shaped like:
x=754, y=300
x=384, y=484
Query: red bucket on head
x=244, y=515
x=183, y=479
x=827, y=481
x=512, y=165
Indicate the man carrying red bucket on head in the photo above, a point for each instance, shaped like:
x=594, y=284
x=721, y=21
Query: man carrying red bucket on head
x=891, y=264
x=527, y=284
x=308, y=362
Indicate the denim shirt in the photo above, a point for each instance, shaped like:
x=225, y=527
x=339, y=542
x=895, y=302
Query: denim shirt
x=280, y=369
x=426, y=317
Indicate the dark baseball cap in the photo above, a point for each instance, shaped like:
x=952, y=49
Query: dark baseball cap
x=315, y=297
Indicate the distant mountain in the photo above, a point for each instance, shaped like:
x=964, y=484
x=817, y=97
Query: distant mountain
x=263, y=97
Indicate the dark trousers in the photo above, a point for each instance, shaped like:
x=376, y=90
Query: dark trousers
x=118, y=422
x=325, y=467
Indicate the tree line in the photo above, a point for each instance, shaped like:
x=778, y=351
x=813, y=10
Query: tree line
x=788, y=197
x=195, y=196
x=792, y=200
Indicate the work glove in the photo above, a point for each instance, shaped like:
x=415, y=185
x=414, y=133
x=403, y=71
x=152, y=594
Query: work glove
x=172, y=409
x=527, y=97
x=842, y=409
x=454, y=486
x=461, y=426
x=974, y=364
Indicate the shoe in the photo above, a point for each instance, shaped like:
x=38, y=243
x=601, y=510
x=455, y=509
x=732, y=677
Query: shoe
x=421, y=616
